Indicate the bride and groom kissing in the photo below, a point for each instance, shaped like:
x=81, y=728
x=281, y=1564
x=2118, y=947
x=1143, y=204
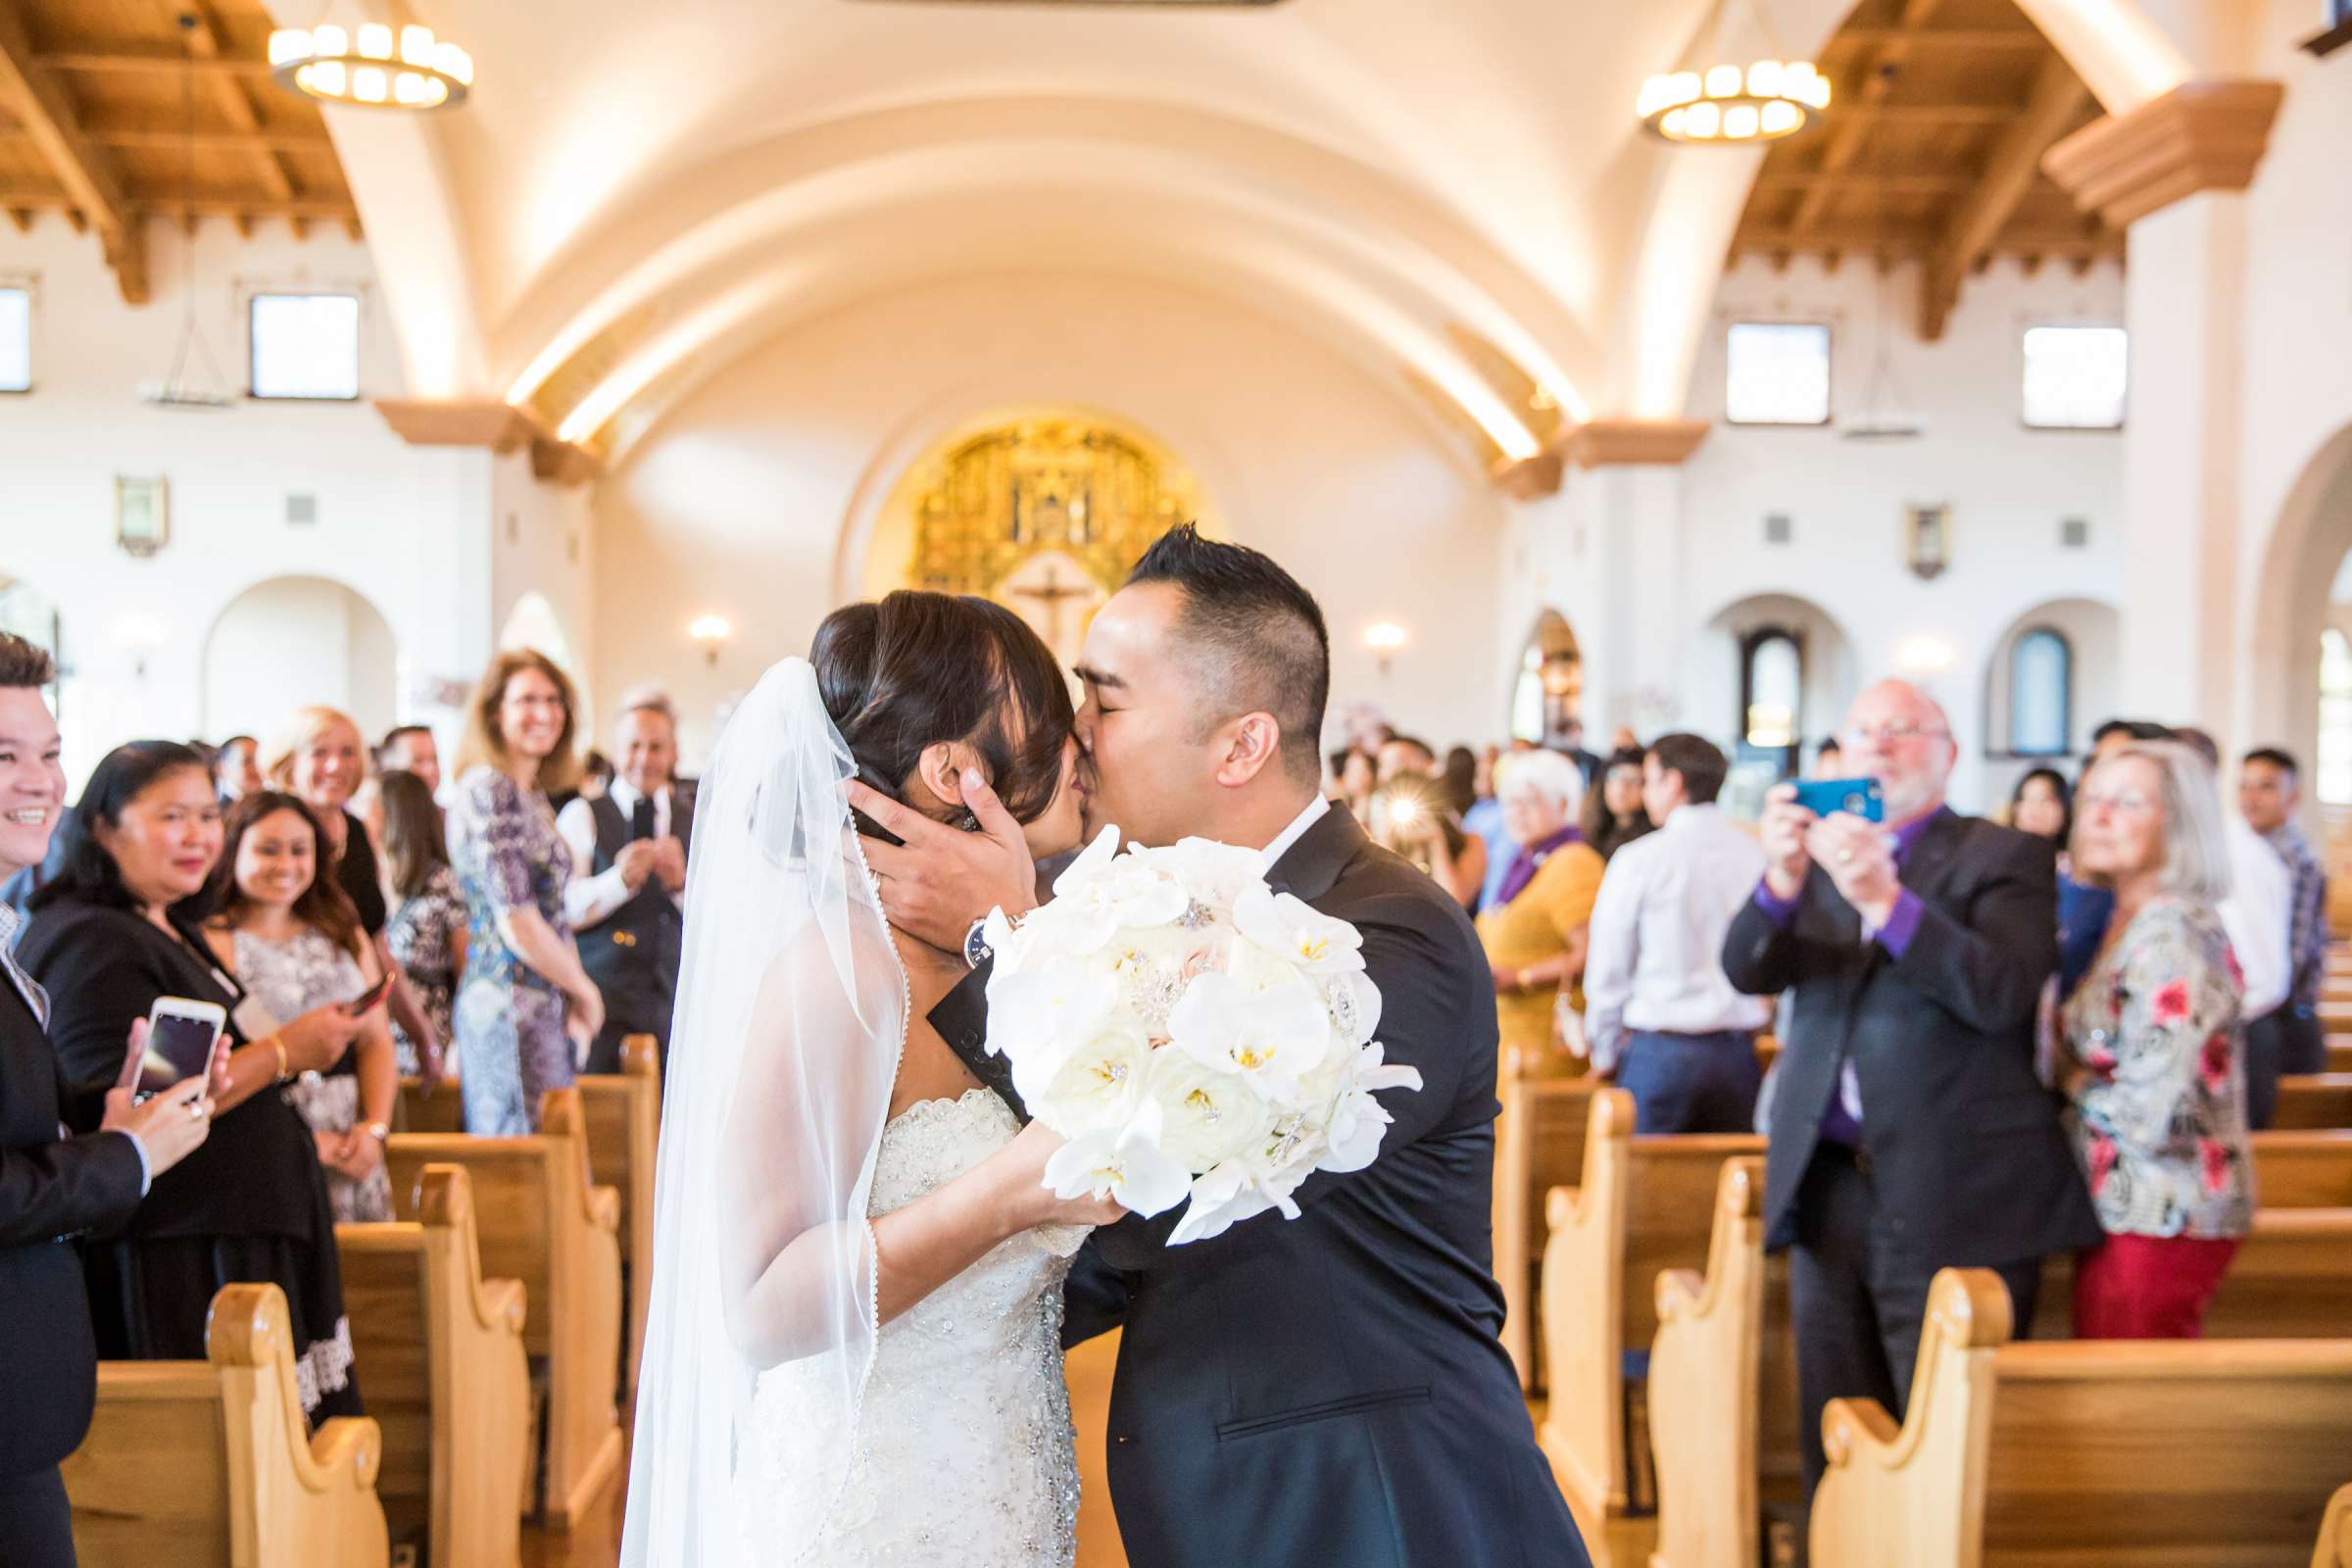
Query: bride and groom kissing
x=863, y=1284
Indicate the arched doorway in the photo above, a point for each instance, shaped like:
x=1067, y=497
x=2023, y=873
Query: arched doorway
x=288, y=641
x=1549, y=692
x=1043, y=509
x=1767, y=679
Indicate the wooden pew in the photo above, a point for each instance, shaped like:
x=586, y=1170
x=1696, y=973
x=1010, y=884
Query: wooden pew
x=544, y=1223
x=2335, y=1550
x=2339, y=1054
x=442, y=1111
x=624, y=1125
x=2314, y=1103
x=444, y=1375
x=2291, y=1279
x=207, y=1462
x=2303, y=1169
x=1723, y=1390
x=2029, y=1456
x=1644, y=1204
x=1539, y=1143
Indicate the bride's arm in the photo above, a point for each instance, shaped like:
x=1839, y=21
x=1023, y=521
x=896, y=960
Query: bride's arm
x=812, y=1096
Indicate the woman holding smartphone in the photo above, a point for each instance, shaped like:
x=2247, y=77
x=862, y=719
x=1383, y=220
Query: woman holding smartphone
x=109, y=937
x=294, y=943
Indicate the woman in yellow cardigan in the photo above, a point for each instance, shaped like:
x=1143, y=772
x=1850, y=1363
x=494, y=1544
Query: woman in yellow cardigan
x=1535, y=929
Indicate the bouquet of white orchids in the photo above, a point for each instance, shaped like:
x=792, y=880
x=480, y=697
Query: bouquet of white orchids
x=1190, y=1031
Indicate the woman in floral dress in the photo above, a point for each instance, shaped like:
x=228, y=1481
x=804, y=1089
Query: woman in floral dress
x=2155, y=1051
x=289, y=934
x=525, y=1010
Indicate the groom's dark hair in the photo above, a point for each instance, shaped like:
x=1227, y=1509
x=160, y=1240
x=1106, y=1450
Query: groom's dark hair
x=1261, y=637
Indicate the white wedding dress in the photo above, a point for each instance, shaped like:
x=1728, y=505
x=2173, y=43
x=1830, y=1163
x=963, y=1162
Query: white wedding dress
x=963, y=1455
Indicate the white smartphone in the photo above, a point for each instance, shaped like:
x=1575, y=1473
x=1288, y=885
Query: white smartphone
x=180, y=1036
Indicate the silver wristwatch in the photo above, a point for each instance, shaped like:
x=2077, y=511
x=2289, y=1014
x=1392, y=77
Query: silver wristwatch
x=976, y=951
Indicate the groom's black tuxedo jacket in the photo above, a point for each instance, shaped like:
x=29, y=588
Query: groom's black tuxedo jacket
x=1330, y=1390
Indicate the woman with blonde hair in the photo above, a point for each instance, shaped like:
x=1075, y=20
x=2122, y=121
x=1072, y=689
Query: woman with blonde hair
x=525, y=1010
x=2155, y=1050
x=316, y=756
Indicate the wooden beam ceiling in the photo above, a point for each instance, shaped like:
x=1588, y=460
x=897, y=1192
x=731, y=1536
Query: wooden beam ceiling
x=1877, y=65
x=195, y=18
x=2053, y=109
x=50, y=120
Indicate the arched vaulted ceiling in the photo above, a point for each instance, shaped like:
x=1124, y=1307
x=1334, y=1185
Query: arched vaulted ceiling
x=635, y=191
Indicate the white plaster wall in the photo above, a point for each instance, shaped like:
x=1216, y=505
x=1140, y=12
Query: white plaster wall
x=403, y=526
x=293, y=641
x=2008, y=489
x=746, y=500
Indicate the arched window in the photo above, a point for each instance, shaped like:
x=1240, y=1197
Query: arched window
x=1771, y=687
x=2335, y=718
x=2041, y=689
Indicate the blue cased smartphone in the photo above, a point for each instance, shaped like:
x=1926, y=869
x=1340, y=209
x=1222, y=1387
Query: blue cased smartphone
x=1857, y=795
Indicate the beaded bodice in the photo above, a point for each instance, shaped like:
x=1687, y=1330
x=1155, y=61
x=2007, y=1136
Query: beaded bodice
x=963, y=1451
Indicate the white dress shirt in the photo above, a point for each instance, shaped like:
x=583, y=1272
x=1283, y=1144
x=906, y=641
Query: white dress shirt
x=1296, y=830
x=1655, y=955
x=2259, y=917
x=590, y=898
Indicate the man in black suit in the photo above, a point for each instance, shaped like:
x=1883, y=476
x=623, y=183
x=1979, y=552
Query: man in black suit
x=1909, y=1132
x=1326, y=1392
x=53, y=1187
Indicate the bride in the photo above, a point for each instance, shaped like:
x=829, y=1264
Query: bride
x=854, y=1356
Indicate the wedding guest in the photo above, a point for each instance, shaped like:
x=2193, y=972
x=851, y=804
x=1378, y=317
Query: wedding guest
x=1571, y=743
x=1613, y=816
x=427, y=933
x=626, y=899
x=1459, y=773
x=1657, y=1006
x=1829, y=759
x=109, y=936
x=1403, y=753
x=2082, y=909
x=1483, y=820
x=1909, y=1129
x=236, y=768
x=2155, y=1066
x=526, y=1012
x=2258, y=915
x=411, y=749
x=1412, y=817
x=1536, y=932
x=292, y=939
x=1354, y=779
x=2042, y=805
x=2269, y=792
x=317, y=759
x=55, y=1187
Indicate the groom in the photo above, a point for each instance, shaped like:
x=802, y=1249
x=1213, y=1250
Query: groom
x=1326, y=1392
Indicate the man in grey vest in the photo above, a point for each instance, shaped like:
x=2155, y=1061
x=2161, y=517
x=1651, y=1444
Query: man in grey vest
x=627, y=900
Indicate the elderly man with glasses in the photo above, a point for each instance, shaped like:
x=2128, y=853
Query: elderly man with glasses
x=1909, y=1131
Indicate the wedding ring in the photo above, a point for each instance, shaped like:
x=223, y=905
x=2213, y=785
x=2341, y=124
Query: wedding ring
x=1845, y=857
x=195, y=1110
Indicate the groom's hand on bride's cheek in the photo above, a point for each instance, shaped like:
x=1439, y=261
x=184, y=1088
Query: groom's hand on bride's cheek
x=942, y=878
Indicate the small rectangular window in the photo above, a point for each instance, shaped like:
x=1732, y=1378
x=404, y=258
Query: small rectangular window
x=16, y=340
x=2076, y=377
x=304, y=346
x=1776, y=372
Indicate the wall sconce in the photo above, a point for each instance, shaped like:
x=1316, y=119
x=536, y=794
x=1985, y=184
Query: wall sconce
x=711, y=633
x=1922, y=655
x=1928, y=549
x=1384, y=638
x=140, y=636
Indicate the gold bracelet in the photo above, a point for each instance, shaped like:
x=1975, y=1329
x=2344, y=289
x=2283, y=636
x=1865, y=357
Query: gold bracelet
x=280, y=1046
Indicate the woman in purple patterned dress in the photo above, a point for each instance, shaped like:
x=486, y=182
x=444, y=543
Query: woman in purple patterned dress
x=526, y=1011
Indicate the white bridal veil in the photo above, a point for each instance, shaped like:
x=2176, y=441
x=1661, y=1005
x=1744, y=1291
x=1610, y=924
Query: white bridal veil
x=790, y=1015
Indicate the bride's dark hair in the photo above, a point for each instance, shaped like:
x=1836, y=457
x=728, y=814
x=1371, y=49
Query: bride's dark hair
x=919, y=669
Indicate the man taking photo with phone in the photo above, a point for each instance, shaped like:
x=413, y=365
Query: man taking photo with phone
x=55, y=1187
x=1909, y=1132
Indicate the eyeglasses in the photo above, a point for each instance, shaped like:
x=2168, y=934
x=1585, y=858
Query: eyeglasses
x=1887, y=734
x=2127, y=802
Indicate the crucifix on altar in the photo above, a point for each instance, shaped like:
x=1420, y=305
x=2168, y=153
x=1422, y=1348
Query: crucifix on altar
x=1056, y=598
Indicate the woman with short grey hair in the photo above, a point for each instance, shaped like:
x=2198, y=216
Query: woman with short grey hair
x=2155, y=1050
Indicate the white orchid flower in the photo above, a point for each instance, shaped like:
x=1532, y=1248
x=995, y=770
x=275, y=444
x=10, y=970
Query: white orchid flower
x=1094, y=1085
x=1211, y=1115
x=1266, y=1038
x=1285, y=924
x=1049, y=1008
x=1123, y=1164
x=1222, y=1199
